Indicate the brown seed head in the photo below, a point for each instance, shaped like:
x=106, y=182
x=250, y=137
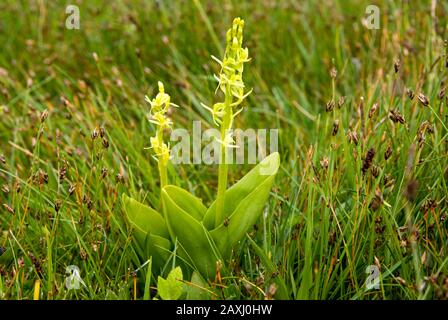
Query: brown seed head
x=57, y=205
x=329, y=106
x=352, y=137
x=71, y=189
x=397, y=65
x=388, y=152
x=5, y=189
x=341, y=101
x=373, y=110
x=94, y=134
x=375, y=170
x=388, y=181
x=396, y=116
x=410, y=93
x=44, y=115
x=102, y=132
x=324, y=163
x=62, y=172
x=335, y=127
x=423, y=99
x=105, y=143
x=333, y=73
x=8, y=208
x=421, y=132
x=37, y=264
x=367, y=163
x=441, y=94
x=429, y=204
x=119, y=178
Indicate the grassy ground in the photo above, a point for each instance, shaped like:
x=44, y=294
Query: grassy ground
x=369, y=190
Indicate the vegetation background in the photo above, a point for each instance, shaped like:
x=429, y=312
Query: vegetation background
x=362, y=182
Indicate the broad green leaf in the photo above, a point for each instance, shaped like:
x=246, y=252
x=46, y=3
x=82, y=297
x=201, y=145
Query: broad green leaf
x=154, y=246
x=197, y=289
x=159, y=248
x=144, y=219
x=172, y=287
x=187, y=202
x=196, y=245
x=242, y=219
x=150, y=233
x=248, y=198
x=264, y=171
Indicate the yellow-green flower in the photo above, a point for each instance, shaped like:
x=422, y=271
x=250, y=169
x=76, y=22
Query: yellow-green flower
x=230, y=78
x=159, y=108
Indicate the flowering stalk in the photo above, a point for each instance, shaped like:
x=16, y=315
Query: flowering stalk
x=159, y=108
x=231, y=84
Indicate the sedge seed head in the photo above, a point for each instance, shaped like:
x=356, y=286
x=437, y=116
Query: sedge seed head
x=388, y=152
x=396, y=116
x=44, y=115
x=373, y=110
x=410, y=93
x=341, y=101
x=367, y=163
x=353, y=137
x=333, y=73
x=423, y=99
x=441, y=94
x=375, y=170
x=397, y=66
x=329, y=106
x=335, y=127
x=376, y=202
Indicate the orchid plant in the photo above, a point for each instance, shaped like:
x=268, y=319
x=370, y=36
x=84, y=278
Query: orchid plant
x=203, y=236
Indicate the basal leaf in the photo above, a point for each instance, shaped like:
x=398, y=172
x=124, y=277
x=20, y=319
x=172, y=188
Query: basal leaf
x=144, y=219
x=242, y=219
x=159, y=248
x=196, y=245
x=265, y=170
x=151, y=236
x=244, y=203
x=187, y=202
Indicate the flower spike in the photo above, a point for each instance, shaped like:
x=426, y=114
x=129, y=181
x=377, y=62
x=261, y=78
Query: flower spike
x=230, y=78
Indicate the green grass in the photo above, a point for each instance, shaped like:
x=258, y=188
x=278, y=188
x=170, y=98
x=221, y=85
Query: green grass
x=61, y=188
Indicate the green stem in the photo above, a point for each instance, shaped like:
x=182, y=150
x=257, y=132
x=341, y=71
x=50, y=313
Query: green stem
x=223, y=167
x=161, y=164
x=163, y=174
